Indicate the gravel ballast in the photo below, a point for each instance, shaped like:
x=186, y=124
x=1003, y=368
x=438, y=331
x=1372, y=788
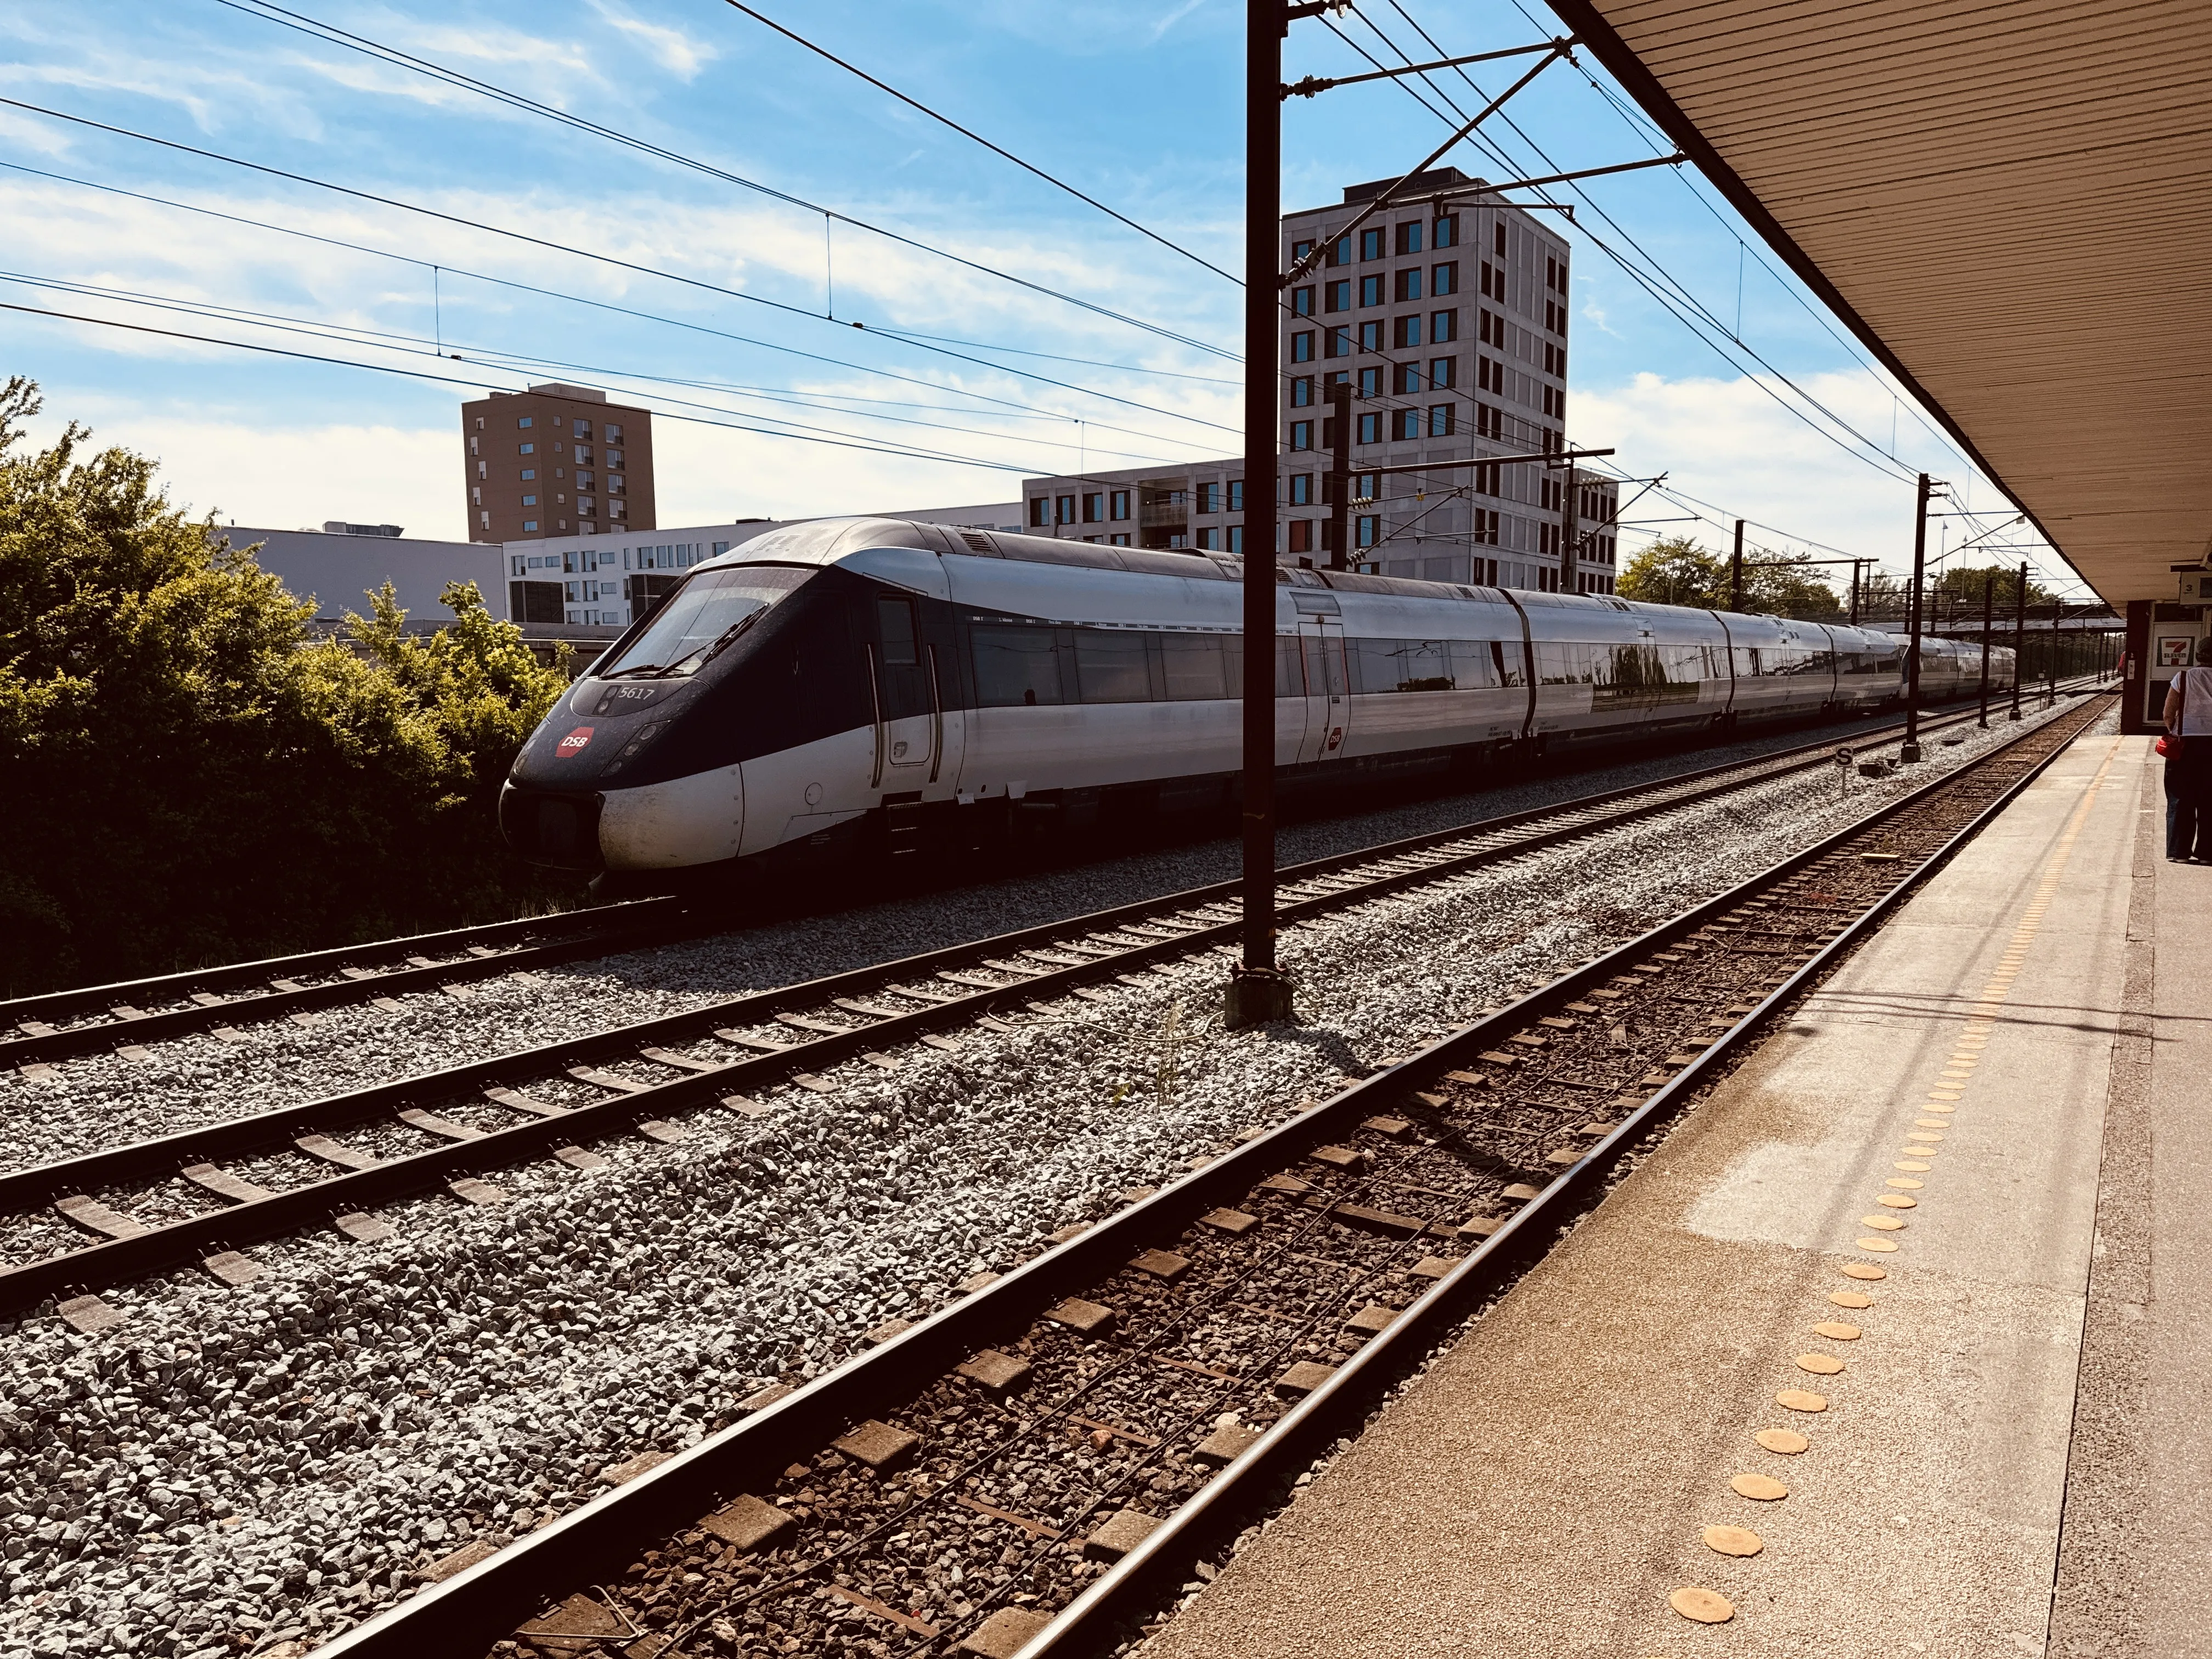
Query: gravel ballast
x=231, y=1470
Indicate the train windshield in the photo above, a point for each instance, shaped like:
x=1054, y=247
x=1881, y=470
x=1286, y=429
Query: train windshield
x=707, y=613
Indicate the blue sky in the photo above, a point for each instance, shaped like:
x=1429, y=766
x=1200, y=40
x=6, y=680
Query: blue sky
x=1136, y=104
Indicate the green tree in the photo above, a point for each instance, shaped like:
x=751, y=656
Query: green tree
x=1677, y=570
x=190, y=776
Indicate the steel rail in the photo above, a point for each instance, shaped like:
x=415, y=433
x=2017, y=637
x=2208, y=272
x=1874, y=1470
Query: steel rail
x=584, y=933
x=488, y=1600
x=507, y=945
x=98, y=1266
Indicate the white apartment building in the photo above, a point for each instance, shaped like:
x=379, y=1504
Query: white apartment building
x=1446, y=312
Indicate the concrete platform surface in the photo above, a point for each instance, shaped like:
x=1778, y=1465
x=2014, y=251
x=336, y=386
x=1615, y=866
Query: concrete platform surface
x=1548, y=1487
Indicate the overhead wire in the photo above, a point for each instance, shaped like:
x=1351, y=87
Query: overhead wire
x=944, y=120
x=301, y=23
x=385, y=339
x=897, y=451
x=582, y=253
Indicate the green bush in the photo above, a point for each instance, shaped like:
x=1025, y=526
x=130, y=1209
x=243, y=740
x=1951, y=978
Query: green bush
x=186, y=776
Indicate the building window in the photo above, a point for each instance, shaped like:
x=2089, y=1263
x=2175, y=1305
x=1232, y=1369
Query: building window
x=1063, y=509
x=586, y=506
x=1404, y=423
x=530, y=501
x=1302, y=434
x=1339, y=296
x=1300, y=391
x=1490, y=328
x=1370, y=245
x=1444, y=278
x=1209, y=539
x=1488, y=424
x=1339, y=340
x=1094, y=507
x=1409, y=238
x=1370, y=382
x=1117, y=505
x=515, y=565
x=1302, y=488
x=1038, y=509
x=1370, y=427
x=615, y=509
x=1363, y=486
x=1443, y=327
x=580, y=429
x=1407, y=379
x=1447, y=229
x=1340, y=250
x=1302, y=301
x=1300, y=536
x=1302, y=346
x=1209, y=497
x=1444, y=372
x=529, y=472
x=1499, y=228
x=485, y=519
x=1370, y=289
x=1493, y=282
x=475, y=494
x=612, y=434
x=1440, y=421
x=1367, y=530
x=1237, y=494
x=529, y=449
x=1120, y=540
x=1299, y=250
x=1235, y=538
x=1409, y=284
x=525, y=423
x=1371, y=336
x=530, y=524
x=1408, y=333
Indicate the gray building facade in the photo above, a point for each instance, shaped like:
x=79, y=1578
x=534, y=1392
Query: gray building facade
x=1446, y=312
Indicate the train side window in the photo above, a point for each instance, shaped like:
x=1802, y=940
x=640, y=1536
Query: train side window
x=1509, y=666
x=895, y=629
x=1016, y=667
x=1289, y=668
x=1110, y=667
x=1196, y=672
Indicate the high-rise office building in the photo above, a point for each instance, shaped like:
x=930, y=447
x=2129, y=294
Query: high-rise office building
x=1446, y=314
x=555, y=460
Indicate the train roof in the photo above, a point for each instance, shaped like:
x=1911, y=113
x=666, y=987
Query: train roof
x=826, y=541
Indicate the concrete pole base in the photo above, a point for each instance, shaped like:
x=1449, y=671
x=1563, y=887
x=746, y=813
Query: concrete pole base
x=1257, y=996
x=1909, y=752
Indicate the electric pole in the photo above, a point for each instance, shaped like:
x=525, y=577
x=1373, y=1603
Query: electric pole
x=1735, y=571
x=1339, y=474
x=1258, y=992
x=1988, y=599
x=1568, y=530
x=1911, y=751
x=2019, y=640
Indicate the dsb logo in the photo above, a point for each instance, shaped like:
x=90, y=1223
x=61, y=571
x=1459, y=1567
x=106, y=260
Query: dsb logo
x=574, y=741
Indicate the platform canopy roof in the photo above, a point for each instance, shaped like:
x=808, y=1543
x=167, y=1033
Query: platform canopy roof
x=2009, y=201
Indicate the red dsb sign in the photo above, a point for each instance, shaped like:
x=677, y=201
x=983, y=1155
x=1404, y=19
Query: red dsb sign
x=574, y=741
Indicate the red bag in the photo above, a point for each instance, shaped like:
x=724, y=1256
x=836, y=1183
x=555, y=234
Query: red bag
x=2165, y=745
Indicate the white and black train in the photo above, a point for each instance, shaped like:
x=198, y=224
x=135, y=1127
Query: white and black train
x=857, y=684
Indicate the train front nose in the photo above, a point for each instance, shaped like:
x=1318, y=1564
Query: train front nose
x=558, y=828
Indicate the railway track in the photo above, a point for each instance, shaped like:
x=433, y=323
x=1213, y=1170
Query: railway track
x=1035, y=1468
x=205, y=1195
x=40, y=1031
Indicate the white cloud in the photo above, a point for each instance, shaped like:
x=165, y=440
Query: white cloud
x=673, y=50
x=1175, y=17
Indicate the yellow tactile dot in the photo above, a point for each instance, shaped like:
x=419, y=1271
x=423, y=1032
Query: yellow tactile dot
x=1882, y=1245
x=1733, y=1540
x=1899, y=1202
x=1821, y=1365
x=1930, y=1135
x=1910, y=1164
x=1787, y=1441
x=1865, y=1270
x=1939, y=1106
x=1802, y=1400
x=1703, y=1606
x=1885, y=1224
x=1905, y=1181
x=1836, y=1331
x=1761, y=1488
x=1850, y=1298
x=1931, y=1123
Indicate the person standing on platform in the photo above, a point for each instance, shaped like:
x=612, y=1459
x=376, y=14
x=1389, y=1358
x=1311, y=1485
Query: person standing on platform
x=2189, y=761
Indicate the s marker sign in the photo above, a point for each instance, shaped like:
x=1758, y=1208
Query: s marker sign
x=573, y=743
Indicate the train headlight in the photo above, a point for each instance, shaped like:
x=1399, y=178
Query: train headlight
x=636, y=746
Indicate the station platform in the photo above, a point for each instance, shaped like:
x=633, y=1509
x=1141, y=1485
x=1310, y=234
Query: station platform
x=1990, y=1429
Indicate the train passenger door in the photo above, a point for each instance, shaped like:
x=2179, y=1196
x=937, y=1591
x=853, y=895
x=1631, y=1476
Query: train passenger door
x=909, y=703
x=1328, y=687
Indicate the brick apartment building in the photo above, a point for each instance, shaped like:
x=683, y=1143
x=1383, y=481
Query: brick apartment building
x=555, y=460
